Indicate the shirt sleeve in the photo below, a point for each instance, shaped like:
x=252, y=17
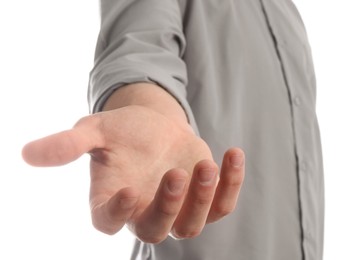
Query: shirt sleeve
x=139, y=41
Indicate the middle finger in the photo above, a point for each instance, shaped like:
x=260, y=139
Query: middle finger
x=197, y=204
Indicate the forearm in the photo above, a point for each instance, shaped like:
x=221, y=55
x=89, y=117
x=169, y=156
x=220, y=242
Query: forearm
x=150, y=96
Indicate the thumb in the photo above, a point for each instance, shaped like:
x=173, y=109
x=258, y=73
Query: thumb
x=64, y=147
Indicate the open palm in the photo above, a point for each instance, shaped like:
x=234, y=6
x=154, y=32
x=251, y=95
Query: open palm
x=147, y=172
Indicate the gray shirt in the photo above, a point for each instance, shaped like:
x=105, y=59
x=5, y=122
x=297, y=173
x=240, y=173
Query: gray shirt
x=243, y=72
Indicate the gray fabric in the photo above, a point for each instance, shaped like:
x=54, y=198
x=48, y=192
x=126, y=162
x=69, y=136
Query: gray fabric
x=243, y=72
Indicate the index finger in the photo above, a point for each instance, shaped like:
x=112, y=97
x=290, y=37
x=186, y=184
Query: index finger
x=111, y=215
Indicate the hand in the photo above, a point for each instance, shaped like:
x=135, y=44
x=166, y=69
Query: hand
x=147, y=172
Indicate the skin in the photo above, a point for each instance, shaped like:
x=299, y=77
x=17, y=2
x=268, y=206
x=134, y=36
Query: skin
x=149, y=170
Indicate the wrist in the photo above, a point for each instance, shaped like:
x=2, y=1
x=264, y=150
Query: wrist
x=151, y=97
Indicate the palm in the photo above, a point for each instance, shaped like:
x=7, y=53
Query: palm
x=146, y=171
x=141, y=146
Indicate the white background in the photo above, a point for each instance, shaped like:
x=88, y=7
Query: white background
x=46, y=53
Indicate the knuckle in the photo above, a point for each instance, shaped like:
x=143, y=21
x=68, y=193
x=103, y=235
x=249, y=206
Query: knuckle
x=218, y=213
x=102, y=224
x=150, y=238
x=222, y=212
x=202, y=200
x=234, y=182
x=239, y=179
x=167, y=210
x=103, y=228
x=91, y=119
x=186, y=233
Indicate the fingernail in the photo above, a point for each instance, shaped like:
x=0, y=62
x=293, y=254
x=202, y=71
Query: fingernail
x=128, y=203
x=176, y=187
x=206, y=177
x=236, y=160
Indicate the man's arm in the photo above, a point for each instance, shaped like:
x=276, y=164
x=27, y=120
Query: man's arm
x=148, y=169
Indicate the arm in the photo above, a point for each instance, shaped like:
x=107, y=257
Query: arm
x=148, y=170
